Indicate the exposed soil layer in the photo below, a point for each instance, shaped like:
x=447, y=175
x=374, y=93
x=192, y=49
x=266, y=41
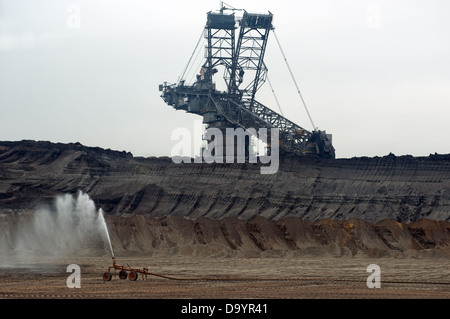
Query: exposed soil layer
x=403, y=188
x=141, y=235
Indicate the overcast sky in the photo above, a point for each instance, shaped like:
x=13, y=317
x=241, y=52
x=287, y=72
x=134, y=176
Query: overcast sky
x=375, y=74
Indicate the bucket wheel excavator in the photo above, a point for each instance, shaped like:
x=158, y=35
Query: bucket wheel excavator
x=235, y=42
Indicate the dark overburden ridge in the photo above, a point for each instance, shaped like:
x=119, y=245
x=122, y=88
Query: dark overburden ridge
x=403, y=188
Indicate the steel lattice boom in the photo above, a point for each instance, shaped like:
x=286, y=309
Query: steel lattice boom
x=242, y=59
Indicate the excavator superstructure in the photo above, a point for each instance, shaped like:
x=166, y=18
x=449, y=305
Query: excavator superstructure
x=236, y=42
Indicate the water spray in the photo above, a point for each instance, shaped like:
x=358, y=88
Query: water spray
x=105, y=226
x=71, y=225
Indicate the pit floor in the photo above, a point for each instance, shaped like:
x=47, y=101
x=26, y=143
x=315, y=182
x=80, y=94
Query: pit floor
x=228, y=278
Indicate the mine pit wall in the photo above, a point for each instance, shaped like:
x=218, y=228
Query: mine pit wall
x=403, y=188
x=397, y=205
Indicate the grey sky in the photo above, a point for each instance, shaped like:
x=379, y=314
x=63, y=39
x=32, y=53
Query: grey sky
x=375, y=74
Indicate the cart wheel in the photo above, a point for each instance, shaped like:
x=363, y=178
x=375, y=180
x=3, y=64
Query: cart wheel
x=133, y=276
x=123, y=274
x=107, y=276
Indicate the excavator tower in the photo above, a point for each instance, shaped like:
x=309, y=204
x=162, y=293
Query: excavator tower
x=235, y=45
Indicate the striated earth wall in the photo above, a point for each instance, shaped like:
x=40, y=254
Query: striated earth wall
x=383, y=206
x=402, y=188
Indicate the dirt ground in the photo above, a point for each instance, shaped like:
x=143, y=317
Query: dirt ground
x=228, y=278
